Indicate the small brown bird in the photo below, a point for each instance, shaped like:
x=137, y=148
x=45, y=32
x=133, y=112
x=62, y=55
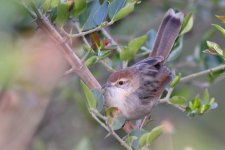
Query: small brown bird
x=136, y=89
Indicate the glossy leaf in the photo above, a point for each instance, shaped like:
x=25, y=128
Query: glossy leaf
x=101, y=13
x=115, y=6
x=79, y=7
x=219, y=28
x=187, y=24
x=129, y=7
x=91, y=101
x=62, y=13
x=148, y=138
x=215, y=48
x=178, y=100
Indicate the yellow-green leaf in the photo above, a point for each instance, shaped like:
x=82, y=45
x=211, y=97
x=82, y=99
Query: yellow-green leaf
x=214, y=48
x=129, y=7
x=222, y=18
x=222, y=30
x=187, y=24
x=91, y=101
x=175, y=80
x=178, y=100
x=79, y=7
x=148, y=138
x=90, y=61
x=62, y=13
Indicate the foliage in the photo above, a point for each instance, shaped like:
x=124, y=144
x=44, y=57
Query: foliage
x=90, y=16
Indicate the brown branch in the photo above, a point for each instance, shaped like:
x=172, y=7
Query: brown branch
x=77, y=65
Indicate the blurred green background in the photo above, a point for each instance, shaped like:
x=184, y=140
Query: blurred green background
x=67, y=123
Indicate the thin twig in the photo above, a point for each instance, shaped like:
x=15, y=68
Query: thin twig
x=167, y=97
x=80, y=34
x=106, y=34
x=211, y=70
x=124, y=63
x=109, y=129
x=110, y=69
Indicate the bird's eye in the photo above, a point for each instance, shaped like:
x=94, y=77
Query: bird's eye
x=121, y=82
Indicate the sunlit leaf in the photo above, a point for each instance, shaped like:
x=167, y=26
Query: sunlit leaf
x=148, y=138
x=219, y=28
x=91, y=101
x=90, y=61
x=178, y=100
x=115, y=6
x=129, y=7
x=79, y=7
x=187, y=24
x=62, y=13
x=214, y=48
x=175, y=80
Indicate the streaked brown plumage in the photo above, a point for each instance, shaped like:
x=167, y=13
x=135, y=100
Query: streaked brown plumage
x=136, y=89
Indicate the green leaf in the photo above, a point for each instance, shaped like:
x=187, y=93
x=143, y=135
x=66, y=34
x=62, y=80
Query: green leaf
x=90, y=61
x=178, y=100
x=48, y=4
x=99, y=98
x=214, y=75
x=84, y=144
x=91, y=101
x=222, y=30
x=187, y=23
x=62, y=13
x=215, y=48
x=115, y=6
x=222, y=18
x=175, y=80
x=115, y=119
x=135, y=134
x=130, y=51
x=205, y=96
x=101, y=13
x=176, y=50
x=204, y=108
x=148, y=138
x=196, y=102
x=86, y=19
x=129, y=7
x=79, y=7
x=136, y=44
